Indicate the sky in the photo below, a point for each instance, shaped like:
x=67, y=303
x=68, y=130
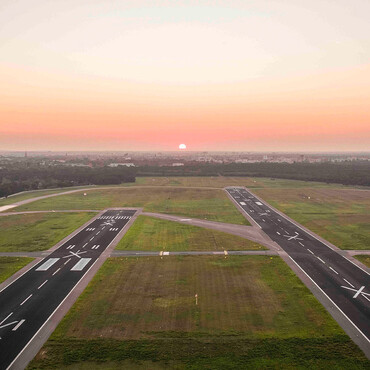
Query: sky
x=232, y=75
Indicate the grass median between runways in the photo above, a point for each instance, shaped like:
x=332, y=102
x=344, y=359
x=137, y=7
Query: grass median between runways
x=252, y=312
x=38, y=231
x=151, y=234
x=10, y=265
x=211, y=204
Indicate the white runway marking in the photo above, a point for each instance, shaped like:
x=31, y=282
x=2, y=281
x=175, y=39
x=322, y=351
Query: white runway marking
x=71, y=246
x=243, y=203
x=77, y=254
x=301, y=244
x=79, y=266
x=46, y=265
x=42, y=284
x=320, y=260
x=333, y=270
x=85, y=245
x=263, y=220
x=6, y=318
x=277, y=232
x=348, y=283
x=259, y=203
x=10, y=323
x=166, y=253
x=95, y=246
x=310, y=251
x=18, y=325
x=279, y=220
x=56, y=271
x=359, y=291
x=26, y=300
x=67, y=261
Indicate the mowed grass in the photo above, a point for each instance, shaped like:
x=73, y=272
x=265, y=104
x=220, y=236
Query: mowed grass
x=37, y=193
x=221, y=182
x=341, y=216
x=365, y=259
x=10, y=265
x=37, y=231
x=252, y=312
x=199, y=203
x=151, y=234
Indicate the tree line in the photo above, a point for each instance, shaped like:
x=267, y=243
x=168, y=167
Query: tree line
x=22, y=177
x=346, y=173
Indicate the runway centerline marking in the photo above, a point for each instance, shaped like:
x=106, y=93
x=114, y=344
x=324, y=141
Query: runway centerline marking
x=42, y=284
x=26, y=300
x=348, y=283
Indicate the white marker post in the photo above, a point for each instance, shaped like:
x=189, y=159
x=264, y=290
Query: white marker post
x=196, y=299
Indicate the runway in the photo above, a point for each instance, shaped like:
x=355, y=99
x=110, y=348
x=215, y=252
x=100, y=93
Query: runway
x=345, y=284
x=27, y=303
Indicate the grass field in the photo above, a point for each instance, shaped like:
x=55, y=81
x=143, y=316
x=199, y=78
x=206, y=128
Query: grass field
x=37, y=232
x=365, y=259
x=10, y=265
x=252, y=312
x=221, y=182
x=36, y=193
x=342, y=216
x=153, y=234
x=200, y=203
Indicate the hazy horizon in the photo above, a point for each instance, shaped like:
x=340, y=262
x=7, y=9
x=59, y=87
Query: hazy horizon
x=260, y=76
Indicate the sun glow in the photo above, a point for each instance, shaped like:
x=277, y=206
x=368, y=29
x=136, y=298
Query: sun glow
x=182, y=146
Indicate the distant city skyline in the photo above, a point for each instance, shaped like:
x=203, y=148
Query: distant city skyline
x=217, y=76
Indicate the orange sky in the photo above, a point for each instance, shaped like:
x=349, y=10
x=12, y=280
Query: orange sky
x=218, y=75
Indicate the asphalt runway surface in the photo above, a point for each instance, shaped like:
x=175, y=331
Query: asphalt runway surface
x=343, y=282
x=28, y=302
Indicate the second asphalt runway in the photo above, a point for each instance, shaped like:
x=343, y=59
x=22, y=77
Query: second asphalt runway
x=28, y=302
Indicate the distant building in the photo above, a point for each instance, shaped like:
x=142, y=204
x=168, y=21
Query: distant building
x=121, y=164
x=177, y=164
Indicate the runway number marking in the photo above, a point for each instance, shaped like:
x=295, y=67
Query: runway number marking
x=46, y=265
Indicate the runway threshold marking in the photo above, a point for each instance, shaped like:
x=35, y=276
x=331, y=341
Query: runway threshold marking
x=46, y=265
